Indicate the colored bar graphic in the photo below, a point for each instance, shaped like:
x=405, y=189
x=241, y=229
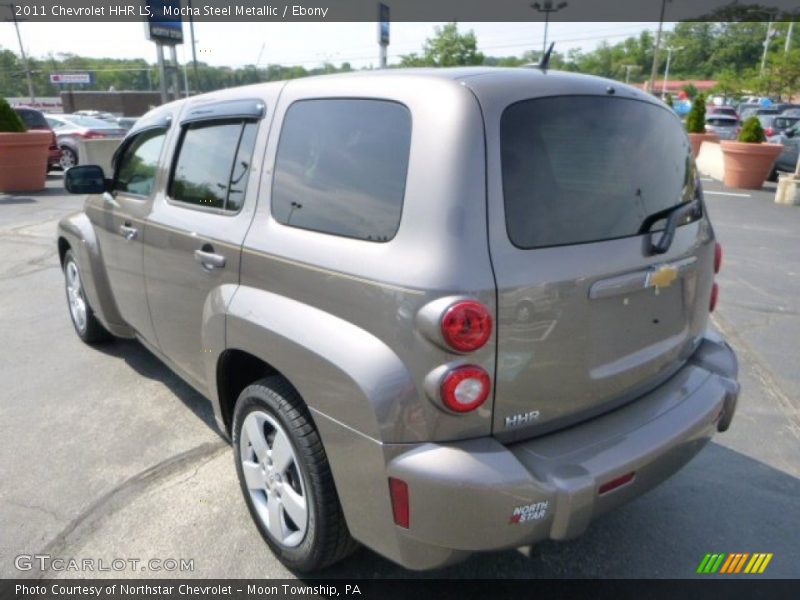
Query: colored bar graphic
x=734, y=563
x=703, y=563
x=765, y=563
x=728, y=564
x=741, y=563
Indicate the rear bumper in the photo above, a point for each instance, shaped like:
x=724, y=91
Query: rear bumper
x=481, y=495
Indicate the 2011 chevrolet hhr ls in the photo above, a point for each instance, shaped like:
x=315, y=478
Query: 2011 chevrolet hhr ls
x=437, y=312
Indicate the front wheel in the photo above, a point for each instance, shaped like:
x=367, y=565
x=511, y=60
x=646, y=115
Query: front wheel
x=285, y=477
x=69, y=158
x=86, y=324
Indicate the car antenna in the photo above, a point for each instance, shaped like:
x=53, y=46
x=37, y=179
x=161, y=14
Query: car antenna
x=545, y=62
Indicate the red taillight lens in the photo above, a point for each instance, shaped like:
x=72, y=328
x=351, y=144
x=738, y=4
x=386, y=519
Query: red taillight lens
x=466, y=326
x=465, y=388
x=769, y=132
x=717, y=257
x=92, y=135
x=398, y=490
x=714, y=295
x=615, y=483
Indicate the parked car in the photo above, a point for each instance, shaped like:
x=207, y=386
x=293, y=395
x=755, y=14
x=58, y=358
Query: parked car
x=791, y=112
x=774, y=125
x=758, y=112
x=126, y=122
x=787, y=160
x=71, y=128
x=722, y=110
x=725, y=126
x=421, y=326
x=97, y=114
x=34, y=119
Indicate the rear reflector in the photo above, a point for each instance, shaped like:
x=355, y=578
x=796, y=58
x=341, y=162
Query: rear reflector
x=399, y=492
x=466, y=326
x=714, y=295
x=615, y=483
x=717, y=257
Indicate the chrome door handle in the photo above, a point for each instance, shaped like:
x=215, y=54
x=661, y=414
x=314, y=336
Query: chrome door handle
x=128, y=232
x=209, y=259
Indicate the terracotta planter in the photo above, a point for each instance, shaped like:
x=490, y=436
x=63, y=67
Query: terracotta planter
x=697, y=139
x=23, y=161
x=747, y=166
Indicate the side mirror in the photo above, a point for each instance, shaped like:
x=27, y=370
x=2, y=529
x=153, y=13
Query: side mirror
x=85, y=179
x=789, y=133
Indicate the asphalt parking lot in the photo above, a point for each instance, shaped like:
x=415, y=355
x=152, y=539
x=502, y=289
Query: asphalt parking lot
x=106, y=454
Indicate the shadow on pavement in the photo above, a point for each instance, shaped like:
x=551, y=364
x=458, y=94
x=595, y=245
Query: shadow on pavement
x=16, y=200
x=723, y=501
x=146, y=364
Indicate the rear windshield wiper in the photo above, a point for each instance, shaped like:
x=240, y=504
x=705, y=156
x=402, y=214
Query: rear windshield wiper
x=674, y=215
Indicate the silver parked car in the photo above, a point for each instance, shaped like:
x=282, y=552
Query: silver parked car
x=70, y=129
x=421, y=326
x=725, y=126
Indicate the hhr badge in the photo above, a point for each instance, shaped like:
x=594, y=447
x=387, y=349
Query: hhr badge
x=522, y=419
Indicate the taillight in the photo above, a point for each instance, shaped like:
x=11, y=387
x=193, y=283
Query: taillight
x=717, y=257
x=465, y=388
x=466, y=326
x=92, y=135
x=615, y=483
x=398, y=490
x=714, y=295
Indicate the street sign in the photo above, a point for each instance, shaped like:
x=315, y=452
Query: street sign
x=164, y=25
x=67, y=78
x=383, y=24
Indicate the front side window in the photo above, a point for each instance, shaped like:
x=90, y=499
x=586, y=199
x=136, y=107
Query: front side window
x=341, y=167
x=136, y=170
x=580, y=169
x=213, y=164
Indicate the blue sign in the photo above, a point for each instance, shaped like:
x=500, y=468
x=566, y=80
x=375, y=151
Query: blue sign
x=164, y=23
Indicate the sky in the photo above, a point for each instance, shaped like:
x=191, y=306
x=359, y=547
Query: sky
x=306, y=44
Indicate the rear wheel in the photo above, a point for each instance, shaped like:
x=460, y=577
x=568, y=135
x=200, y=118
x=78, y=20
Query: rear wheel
x=69, y=158
x=86, y=324
x=285, y=477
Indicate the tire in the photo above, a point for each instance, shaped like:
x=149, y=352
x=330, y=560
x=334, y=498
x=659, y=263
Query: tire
x=773, y=176
x=271, y=420
x=69, y=158
x=88, y=328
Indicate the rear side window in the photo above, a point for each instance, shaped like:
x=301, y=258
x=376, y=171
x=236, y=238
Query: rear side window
x=136, y=170
x=33, y=119
x=580, y=169
x=341, y=167
x=213, y=164
x=721, y=122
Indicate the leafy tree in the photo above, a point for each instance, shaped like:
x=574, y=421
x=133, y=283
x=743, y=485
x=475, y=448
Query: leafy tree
x=691, y=90
x=447, y=48
x=752, y=132
x=669, y=101
x=696, y=120
x=9, y=119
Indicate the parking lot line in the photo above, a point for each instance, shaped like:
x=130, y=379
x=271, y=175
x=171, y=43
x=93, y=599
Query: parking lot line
x=726, y=194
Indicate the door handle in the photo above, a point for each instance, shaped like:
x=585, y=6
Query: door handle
x=208, y=258
x=128, y=232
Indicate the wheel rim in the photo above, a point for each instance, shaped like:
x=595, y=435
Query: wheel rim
x=77, y=305
x=273, y=478
x=67, y=159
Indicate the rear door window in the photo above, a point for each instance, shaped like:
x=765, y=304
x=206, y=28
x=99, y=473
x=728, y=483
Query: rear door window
x=341, y=167
x=33, y=119
x=213, y=164
x=580, y=169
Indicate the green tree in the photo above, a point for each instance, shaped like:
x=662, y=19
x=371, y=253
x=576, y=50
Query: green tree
x=752, y=132
x=447, y=48
x=696, y=120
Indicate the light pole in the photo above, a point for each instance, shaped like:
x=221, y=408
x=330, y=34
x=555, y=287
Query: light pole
x=547, y=8
x=651, y=84
x=22, y=52
x=666, y=71
x=770, y=34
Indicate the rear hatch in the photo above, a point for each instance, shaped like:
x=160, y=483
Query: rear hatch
x=590, y=314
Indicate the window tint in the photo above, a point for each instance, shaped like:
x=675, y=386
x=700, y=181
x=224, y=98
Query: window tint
x=136, y=170
x=213, y=164
x=33, y=119
x=586, y=168
x=341, y=167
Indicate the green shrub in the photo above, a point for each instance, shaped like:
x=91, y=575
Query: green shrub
x=696, y=120
x=9, y=119
x=752, y=132
x=669, y=101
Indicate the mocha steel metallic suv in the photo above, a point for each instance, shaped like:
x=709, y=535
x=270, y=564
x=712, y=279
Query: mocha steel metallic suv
x=437, y=311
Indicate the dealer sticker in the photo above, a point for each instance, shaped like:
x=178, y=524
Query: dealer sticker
x=529, y=512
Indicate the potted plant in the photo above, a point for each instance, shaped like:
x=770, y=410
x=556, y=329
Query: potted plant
x=749, y=160
x=696, y=125
x=23, y=154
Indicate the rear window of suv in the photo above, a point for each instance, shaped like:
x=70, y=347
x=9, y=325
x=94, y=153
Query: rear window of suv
x=33, y=119
x=580, y=169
